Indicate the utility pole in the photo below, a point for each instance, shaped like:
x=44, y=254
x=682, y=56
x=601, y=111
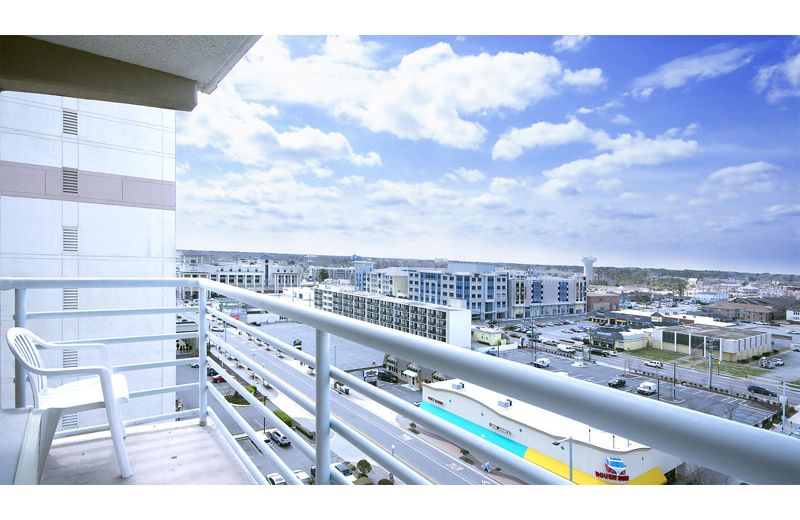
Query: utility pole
x=674, y=378
x=783, y=415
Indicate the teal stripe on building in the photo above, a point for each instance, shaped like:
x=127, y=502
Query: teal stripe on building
x=491, y=436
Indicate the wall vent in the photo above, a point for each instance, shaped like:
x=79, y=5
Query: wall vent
x=69, y=421
x=69, y=358
x=70, y=239
x=69, y=120
x=70, y=299
x=69, y=181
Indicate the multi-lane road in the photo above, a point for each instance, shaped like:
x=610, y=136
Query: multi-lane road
x=428, y=460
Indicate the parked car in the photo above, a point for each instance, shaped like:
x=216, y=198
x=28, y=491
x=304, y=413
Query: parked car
x=278, y=437
x=341, y=467
x=777, y=361
x=217, y=379
x=617, y=382
x=210, y=372
x=647, y=388
x=541, y=363
x=796, y=349
x=569, y=349
x=761, y=390
x=302, y=476
x=276, y=480
x=385, y=375
x=795, y=434
x=653, y=364
x=577, y=338
x=599, y=352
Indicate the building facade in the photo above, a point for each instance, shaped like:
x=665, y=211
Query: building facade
x=392, y=281
x=360, y=270
x=87, y=189
x=336, y=273
x=436, y=322
x=533, y=296
x=736, y=344
x=744, y=311
x=530, y=432
x=602, y=302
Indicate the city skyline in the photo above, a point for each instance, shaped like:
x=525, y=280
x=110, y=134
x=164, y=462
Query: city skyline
x=673, y=152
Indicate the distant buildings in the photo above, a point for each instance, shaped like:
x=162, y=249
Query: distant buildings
x=259, y=276
x=392, y=281
x=336, y=273
x=437, y=322
x=744, y=311
x=711, y=297
x=602, y=302
x=361, y=268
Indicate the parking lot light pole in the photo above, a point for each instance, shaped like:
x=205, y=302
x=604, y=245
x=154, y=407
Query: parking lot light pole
x=557, y=443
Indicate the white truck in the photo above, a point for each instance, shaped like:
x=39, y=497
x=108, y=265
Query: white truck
x=647, y=388
x=541, y=363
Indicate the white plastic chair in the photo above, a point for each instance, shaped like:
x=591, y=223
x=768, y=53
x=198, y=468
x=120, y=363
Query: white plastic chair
x=105, y=390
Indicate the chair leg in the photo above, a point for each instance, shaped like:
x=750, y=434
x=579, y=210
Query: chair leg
x=115, y=424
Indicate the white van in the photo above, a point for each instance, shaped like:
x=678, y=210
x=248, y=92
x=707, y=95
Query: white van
x=647, y=388
x=566, y=348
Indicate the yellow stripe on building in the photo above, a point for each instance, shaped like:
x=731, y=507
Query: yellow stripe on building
x=652, y=477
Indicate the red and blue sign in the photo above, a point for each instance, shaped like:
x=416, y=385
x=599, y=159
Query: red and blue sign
x=615, y=470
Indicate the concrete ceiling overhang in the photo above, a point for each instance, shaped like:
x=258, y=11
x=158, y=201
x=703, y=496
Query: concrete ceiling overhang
x=157, y=71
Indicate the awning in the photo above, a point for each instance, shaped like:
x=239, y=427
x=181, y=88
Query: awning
x=410, y=373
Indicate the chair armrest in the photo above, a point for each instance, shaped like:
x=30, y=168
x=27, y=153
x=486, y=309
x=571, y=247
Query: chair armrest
x=67, y=372
x=102, y=347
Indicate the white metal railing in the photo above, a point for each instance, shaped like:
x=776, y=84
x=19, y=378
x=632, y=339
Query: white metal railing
x=749, y=453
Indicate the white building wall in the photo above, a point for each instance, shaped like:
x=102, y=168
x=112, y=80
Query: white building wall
x=128, y=232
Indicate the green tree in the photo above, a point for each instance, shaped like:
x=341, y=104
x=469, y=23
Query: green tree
x=364, y=467
x=323, y=275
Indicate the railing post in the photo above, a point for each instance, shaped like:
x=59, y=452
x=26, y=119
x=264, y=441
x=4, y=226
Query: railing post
x=20, y=377
x=323, y=409
x=202, y=328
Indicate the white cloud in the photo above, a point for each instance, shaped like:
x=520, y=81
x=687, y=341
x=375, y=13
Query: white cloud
x=570, y=43
x=710, y=63
x=779, y=81
x=430, y=94
x=734, y=181
x=608, y=184
x=511, y=144
x=584, y=77
x=629, y=195
x=584, y=110
x=465, y=174
x=182, y=168
x=239, y=129
x=624, y=151
x=781, y=211
x=622, y=120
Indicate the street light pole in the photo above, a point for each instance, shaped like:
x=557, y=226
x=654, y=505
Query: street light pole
x=391, y=477
x=557, y=443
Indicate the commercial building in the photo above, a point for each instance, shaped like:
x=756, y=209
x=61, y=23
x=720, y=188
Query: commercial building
x=437, y=322
x=263, y=277
x=711, y=297
x=620, y=339
x=87, y=189
x=744, y=311
x=793, y=315
x=602, y=302
x=737, y=344
x=599, y=457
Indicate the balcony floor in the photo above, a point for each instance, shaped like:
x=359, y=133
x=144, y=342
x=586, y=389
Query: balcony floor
x=170, y=453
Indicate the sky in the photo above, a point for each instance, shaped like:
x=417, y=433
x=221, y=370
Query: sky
x=647, y=151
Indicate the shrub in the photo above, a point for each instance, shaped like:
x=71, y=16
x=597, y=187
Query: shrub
x=364, y=466
x=466, y=459
x=351, y=466
x=464, y=452
x=412, y=425
x=363, y=481
x=385, y=482
x=283, y=416
x=308, y=433
x=251, y=389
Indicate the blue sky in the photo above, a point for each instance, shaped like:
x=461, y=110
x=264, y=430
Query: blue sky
x=653, y=151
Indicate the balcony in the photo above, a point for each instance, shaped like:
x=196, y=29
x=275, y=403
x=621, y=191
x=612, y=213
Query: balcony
x=200, y=449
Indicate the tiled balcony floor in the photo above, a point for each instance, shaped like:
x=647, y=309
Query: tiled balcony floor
x=170, y=453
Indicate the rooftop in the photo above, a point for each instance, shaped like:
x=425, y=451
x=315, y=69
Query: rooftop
x=714, y=331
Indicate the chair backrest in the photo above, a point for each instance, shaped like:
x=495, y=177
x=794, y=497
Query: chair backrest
x=22, y=343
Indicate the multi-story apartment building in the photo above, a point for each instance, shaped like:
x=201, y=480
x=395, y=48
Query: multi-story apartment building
x=437, y=322
x=87, y=189
x=477, y=287
x=336, y=273
x=392, y=281
x=361, y=268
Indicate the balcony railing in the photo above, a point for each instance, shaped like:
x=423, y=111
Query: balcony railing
x=751, y=454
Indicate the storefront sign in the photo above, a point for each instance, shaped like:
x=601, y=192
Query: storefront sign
x=500, y=428
x=615, y=471
x=434, y=400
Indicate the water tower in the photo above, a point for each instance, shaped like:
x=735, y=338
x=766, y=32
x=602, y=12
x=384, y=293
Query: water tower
x=588, y=267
